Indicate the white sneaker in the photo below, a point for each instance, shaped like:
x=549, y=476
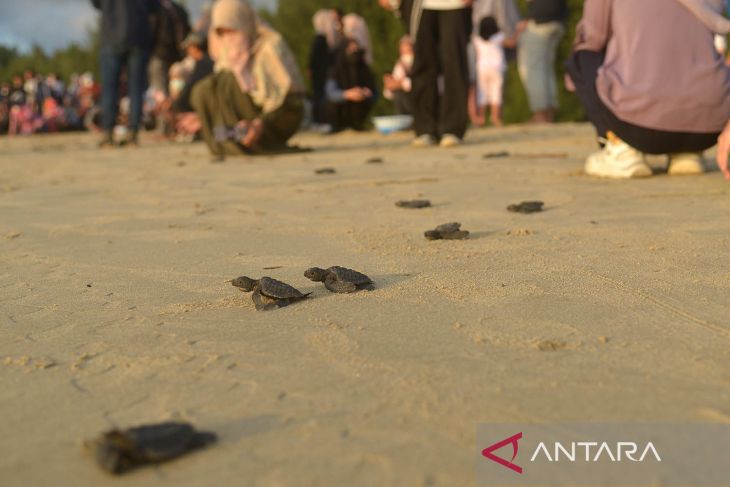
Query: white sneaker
x=618, y=160
x=686, y=164
x=449, y=140
x=424, y=140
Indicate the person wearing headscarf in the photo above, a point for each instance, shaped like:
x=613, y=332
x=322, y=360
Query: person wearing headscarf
x=327, y=37
x=351, y=84
x=641, y=99
x=254, y=101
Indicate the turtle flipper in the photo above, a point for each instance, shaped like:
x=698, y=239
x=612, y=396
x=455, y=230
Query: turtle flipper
x=336, y=286
x=265, y=303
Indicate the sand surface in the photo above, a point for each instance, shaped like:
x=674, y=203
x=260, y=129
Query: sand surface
x=114, y=311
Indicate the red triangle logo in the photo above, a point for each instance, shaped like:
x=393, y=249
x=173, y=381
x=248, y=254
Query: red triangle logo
x=512, y=440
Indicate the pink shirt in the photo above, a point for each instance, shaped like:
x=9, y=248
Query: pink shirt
x=661, y=69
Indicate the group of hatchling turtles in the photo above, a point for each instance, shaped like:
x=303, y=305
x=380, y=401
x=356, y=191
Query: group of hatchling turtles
x=269, y=293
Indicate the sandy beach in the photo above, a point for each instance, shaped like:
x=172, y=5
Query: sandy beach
x=612, y=305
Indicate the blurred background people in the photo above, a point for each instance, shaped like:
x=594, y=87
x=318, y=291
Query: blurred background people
x=491, y=65
x=328, y=35
x=643, y=101
x=126, y=40
x=398, y=84
x=170, y=27
x=254, y=102
x=440, y=30
x=196, y=51
x=350, y=85
x=537, y=51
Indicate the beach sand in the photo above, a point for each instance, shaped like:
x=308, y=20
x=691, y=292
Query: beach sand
x=612, y=305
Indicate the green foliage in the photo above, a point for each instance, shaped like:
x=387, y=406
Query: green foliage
x=64, y=62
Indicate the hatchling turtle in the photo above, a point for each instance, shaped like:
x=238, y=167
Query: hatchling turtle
x=527, y=207
x=413, y=204
x=119, y=451
x=340, y=279
x=447, y=231
x=325, y=170
x=269, y=293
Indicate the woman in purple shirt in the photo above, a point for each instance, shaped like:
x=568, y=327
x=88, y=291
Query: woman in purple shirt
x=651, y=82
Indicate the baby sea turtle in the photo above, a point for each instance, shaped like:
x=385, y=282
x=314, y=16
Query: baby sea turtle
x=414, y=204
x=527, y=207
x=374, y=160
x=496, y=155
x=325, y=170
x=340, y=279
x=269, y=293
x=447, y=231
x=118, y=452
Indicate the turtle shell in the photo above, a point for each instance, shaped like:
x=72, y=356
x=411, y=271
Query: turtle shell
x=119, y=451
x=272, y=288
x=349, y=275
x=527, y=207
x=448, y=227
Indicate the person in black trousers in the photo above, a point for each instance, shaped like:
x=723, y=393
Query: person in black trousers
x=441, y=30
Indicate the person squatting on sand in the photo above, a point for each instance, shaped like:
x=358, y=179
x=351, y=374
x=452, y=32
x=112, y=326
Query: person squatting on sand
x=327, y=37
x=350, y=88
x=651, y=82
x=440, y=31
x=256, y=92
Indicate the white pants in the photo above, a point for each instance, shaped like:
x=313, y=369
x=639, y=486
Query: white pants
x=490, y=83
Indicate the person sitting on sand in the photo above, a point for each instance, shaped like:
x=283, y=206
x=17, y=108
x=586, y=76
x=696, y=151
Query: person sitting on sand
x=254, y=102
x=651, y=84
x=351, y=84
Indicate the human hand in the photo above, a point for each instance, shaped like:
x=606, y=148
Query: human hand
x=355, y=94
x=188, y=123
x=723, y=148
x=390, y=83
x=254, y=131
x=386, y=4
x=569, y=85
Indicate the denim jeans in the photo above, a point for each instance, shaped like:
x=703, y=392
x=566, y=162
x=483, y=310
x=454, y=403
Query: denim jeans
x=536, y=62
x=112, y=62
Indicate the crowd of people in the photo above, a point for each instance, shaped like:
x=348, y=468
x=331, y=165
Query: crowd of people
x=33, y=103
x=231, y=79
